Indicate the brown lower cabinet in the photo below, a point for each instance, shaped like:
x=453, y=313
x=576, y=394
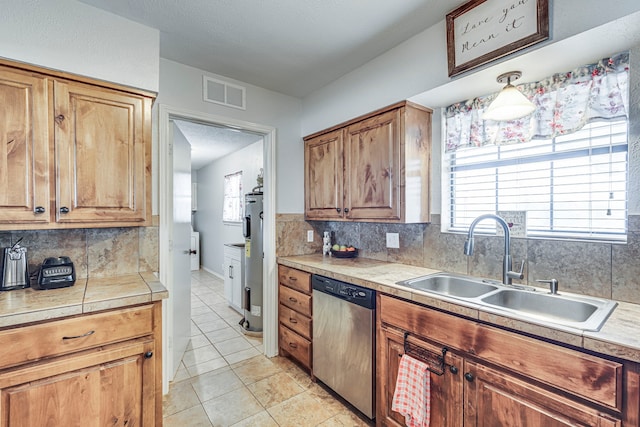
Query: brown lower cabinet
x=91, y=370
x=294, y=315
x=493, y=377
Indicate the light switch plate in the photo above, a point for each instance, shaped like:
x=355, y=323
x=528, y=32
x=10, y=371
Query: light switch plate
x=393, y=240
x=309, y=235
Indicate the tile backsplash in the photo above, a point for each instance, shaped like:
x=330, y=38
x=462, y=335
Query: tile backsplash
x=95, y=252
x=608, y=270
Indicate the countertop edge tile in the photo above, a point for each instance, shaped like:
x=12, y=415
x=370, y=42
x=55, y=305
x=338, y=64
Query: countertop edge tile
x=11, y=320
x=115, y=303
x=618, y=337
x=88, y=295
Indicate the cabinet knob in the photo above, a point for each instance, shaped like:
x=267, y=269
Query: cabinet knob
x=292, y=320
x=148, y=355
x=469, y=376
x=59, y=118
x=64, y=210
x=293, y=345
x=292, y=299
x=453, y=369
x=338, y=210
x=39, y=209
x=346, y=210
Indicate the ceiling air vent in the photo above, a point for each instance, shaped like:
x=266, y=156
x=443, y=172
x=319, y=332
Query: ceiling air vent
x=223, y=93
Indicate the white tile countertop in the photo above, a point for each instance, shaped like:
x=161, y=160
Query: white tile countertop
x=618, y=336
x=86, y=295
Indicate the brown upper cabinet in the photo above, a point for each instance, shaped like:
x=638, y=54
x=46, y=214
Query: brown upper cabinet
x=375, y=168
x=24, y=148
x=77, y=152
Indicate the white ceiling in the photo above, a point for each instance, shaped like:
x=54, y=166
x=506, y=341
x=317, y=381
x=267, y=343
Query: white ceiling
x=289, y=46
x=209, y=143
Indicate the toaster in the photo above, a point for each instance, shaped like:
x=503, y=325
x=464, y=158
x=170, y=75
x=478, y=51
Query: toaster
x=56, y=272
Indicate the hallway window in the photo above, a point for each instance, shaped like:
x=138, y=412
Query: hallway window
x=232, y=205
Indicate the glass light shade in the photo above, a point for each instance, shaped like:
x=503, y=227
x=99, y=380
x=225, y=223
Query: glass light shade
x=510, y=104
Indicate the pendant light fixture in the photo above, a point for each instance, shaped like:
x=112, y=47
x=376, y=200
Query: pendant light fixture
x=510, y=104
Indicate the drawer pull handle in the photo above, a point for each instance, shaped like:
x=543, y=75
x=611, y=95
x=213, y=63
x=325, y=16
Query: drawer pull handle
x=79, y=336
x=292, y=299
x=293, y=279
x=469, y=376
x=292, y=320
x=293, y=345
x=148, y=355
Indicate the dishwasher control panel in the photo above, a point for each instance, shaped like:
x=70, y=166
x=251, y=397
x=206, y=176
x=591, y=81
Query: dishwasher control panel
x=353, y=293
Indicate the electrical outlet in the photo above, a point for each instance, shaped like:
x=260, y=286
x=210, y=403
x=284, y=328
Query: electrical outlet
x=393, y=240
x=309, y=235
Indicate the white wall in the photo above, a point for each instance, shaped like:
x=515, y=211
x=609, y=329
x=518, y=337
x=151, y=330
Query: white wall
x=70, y=36
x=181, y=88
x=420, y=64
x=208, y=219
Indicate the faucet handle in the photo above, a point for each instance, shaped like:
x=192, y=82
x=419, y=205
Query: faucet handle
x=517, y=274
x=553, y=285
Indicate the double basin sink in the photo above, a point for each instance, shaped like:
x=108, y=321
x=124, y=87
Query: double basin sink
x=524, y=303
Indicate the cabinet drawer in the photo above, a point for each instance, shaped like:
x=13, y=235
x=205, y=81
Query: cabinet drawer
x=297, y=346
x=295, y=321
x=296, y=300
x=21, y=345
x=296, y=279
x=434, y=325
x=593, y=378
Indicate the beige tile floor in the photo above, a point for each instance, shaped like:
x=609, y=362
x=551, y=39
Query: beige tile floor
x=224, y=380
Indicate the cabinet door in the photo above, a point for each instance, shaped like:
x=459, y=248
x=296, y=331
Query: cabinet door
x=495, y=399
x=228, y=280
x=236, y=283
x=24, y=148
x=323, y=194
x=101, y=155
x=372, y=168
x=446, y=390
x=114, y=386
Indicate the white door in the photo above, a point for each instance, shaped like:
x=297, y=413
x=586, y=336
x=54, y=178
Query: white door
x=181, y=294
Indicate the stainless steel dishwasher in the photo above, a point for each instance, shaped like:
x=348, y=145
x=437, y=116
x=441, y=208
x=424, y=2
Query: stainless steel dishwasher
x=343, y=340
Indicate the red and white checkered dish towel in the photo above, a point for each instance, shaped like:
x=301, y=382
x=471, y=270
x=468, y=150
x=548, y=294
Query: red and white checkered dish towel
x=412, y=397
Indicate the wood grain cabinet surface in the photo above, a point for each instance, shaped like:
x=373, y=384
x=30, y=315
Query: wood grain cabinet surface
x=294, y=315
x=24, y=148
x=77, y=153
x=373, y=168
x=94, y=373
x=494, y=377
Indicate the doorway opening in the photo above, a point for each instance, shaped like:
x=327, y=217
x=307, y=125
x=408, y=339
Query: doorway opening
x=167, y=115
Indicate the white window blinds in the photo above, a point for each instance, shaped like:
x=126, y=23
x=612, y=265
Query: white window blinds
x=232, y=204
x=571, y=186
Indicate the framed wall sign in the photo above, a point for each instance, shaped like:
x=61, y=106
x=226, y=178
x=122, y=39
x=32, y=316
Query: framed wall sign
x=483, y=30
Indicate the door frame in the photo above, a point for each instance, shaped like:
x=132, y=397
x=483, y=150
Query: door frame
x=165, y=191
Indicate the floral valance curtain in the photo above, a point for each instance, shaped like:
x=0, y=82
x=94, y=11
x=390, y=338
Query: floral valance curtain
x=565, y=102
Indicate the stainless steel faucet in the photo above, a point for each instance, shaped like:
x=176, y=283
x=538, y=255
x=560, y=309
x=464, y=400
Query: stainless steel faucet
x=507, y=274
